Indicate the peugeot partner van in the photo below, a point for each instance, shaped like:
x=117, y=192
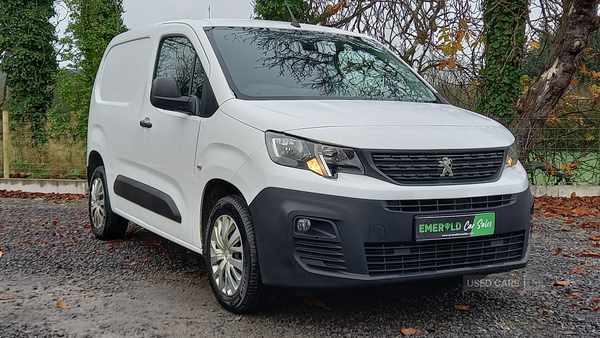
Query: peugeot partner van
x=305, y=158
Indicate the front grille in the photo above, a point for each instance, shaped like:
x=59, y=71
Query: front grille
x=450, y=204
x=320, y=255
x=442, y=255
x=425, y=168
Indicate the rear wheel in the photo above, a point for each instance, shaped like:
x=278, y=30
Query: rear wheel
x=232, y=258
x=105, y=223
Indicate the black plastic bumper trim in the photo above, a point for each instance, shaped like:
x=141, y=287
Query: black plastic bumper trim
x=317, y=264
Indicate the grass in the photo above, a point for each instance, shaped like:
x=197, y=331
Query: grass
x=61, y=157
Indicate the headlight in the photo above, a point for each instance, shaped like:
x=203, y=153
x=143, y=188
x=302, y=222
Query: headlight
x=321, y=159
x=512, y=158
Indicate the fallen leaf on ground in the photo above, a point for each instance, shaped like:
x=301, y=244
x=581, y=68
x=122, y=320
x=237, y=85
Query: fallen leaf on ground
x=1, y=253
x=565, y=282
x=462, y=307
x=312, y=301
x=586, y=253
x=575, y=296
x=546, y=312
x=566, y=254
x=556, y=251
x=590, y=224
x=151, y=242
x=595, y=238
x=577, y=271
x=8, y=297
x=62, y=305
x=564, y=229
x=559, y=207
x=409, y=331
x=169, y=256
x=117, y=240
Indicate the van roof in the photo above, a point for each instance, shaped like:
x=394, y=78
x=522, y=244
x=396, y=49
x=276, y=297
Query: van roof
x=253, y=23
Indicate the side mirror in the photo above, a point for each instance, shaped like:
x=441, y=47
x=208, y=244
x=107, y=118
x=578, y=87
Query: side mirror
x=165, y=94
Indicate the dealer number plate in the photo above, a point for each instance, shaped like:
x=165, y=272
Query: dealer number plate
x=442, y=227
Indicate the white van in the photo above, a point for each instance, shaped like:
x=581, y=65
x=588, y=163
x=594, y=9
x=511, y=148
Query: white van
x=307, y=158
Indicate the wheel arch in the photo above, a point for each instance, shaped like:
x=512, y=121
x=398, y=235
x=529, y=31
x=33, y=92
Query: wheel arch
x=94, y=161
x=214, y=190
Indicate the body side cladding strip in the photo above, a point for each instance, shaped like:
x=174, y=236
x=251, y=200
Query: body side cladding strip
x=147, y=197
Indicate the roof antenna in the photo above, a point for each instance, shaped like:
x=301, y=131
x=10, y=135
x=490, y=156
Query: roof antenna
x=294, y=21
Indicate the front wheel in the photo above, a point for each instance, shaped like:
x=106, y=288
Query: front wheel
x=232, y=258
x=105, y=223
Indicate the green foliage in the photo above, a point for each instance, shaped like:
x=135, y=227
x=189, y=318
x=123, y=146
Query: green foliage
x=74, y=174
x=505, y=43
x=28, y=58
x=93, y=23
x=276, y=10
x=26, y=169
x=70, y=116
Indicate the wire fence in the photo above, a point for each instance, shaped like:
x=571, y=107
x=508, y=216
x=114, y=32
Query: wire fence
x=568, y=152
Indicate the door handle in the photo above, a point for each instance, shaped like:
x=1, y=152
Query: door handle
x=145, y=123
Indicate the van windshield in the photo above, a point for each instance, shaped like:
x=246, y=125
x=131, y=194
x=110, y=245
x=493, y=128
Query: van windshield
x=262, y=63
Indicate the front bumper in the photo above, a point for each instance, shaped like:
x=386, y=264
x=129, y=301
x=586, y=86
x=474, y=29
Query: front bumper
x=359, y=242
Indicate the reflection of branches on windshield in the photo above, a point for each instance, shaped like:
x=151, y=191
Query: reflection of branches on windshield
x=333, y=65
x=292, y=54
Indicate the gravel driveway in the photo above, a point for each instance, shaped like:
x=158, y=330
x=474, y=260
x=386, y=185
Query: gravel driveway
x=146, y=286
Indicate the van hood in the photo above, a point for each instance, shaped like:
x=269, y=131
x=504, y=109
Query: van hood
x=373, y=124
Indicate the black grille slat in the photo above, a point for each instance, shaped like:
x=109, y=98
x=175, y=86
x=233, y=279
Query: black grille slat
x=409, y=168
x=450, y=204
x=442, y=255
x=320, y=255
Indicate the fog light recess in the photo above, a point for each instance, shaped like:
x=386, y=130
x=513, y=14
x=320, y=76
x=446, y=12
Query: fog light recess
x=303, y=224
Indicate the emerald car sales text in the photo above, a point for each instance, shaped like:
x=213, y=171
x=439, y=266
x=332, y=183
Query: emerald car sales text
x=452, y=226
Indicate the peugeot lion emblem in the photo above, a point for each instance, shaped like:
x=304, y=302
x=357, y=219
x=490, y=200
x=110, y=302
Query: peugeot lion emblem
x=446, y=163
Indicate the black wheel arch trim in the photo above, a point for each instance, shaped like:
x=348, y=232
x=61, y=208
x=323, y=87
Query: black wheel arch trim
x=147, y=197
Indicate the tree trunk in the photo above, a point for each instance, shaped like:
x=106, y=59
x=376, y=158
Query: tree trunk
x=579, y=21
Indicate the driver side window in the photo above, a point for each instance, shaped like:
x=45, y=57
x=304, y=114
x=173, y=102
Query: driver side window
x=178, y=60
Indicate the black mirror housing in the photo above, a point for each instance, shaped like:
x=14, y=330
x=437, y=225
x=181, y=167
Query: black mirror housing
x=165, y=94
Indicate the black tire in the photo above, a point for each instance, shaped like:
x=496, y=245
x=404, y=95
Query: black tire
x=232, y=268
x=105, y=223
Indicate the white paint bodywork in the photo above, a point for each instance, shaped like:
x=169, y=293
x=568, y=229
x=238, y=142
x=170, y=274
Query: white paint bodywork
x=230, y=145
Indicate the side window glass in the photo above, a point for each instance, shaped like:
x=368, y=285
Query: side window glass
x=198, y=80
x=178, y=60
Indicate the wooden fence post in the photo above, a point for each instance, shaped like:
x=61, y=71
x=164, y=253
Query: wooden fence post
x=5, y=135
x=5, y=143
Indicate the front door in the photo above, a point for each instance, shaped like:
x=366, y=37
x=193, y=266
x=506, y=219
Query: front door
x=167, y=144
